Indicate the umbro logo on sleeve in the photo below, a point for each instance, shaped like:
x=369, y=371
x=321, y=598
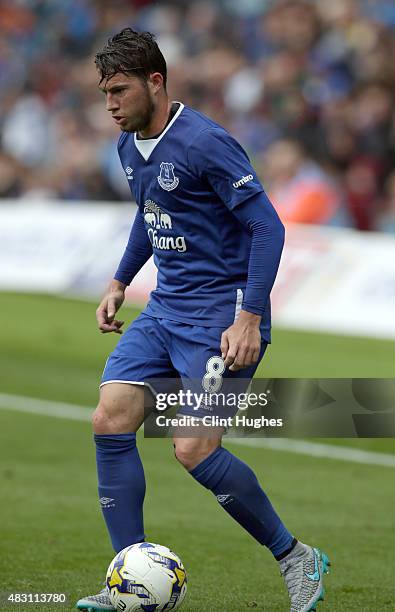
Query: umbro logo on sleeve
x=242, y=181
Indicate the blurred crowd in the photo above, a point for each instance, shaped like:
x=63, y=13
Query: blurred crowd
x=307, y=87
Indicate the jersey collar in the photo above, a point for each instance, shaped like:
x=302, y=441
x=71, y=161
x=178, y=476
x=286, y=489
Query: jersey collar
x=146, y=146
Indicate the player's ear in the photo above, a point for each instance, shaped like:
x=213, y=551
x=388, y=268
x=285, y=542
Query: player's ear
x=155, y=81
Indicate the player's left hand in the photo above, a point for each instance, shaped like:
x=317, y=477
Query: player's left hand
x=241, y=342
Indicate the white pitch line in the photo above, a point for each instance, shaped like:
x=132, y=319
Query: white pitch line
x=19, y=403
x=315, y=449
x=60, y=410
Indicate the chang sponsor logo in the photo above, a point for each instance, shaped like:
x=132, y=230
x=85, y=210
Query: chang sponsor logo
x=167, y=243
x=157, y=220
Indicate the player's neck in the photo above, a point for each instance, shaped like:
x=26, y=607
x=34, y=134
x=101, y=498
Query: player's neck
x=159, y=119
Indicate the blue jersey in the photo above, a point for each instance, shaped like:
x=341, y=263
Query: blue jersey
x=187, y=182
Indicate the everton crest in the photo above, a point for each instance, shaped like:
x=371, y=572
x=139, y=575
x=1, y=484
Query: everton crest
x=166, y=178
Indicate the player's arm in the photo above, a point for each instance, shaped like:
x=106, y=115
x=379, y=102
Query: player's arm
x=218, y=158
x=241, y=342
x=138, y=251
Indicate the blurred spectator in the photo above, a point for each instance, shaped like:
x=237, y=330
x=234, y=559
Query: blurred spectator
x=10, y=183
x=299, y=188
x=306, y=86
x=386, y=220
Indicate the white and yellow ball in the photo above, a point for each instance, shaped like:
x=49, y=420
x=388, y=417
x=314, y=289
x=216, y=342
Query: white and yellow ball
x=146, y=577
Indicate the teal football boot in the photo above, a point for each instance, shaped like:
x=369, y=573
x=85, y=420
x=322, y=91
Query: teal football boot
x=93, y=603
x=303, y=570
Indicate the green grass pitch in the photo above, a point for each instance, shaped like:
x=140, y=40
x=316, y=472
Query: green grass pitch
x=52, y=535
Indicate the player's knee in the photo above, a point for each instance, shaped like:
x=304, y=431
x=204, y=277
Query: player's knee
x=118, y=412
x=106, y=420
x=191, y=452
x=101, y=420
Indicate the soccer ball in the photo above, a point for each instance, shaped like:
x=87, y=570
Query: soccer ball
x=146, y=577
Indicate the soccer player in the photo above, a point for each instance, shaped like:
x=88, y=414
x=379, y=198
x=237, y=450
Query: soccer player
x=216, y=241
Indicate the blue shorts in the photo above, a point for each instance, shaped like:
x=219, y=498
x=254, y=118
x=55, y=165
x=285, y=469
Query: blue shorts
x=155, y=351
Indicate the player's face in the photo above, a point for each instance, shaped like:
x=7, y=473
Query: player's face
x=130, y=102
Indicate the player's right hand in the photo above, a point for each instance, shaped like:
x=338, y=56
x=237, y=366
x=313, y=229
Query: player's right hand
x=108, y=307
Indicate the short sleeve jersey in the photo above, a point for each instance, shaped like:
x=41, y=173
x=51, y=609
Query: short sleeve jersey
x=187, y=182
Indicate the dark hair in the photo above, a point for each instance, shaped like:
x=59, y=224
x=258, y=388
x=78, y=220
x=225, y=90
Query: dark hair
x=130, y=51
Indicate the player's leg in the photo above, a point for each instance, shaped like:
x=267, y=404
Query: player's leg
x=121, y=480
x=141, y=353
x=238, y=491
x=236, y=488
x=232, y=481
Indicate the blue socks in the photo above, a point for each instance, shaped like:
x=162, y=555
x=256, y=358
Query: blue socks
x=121, y=488
x=122, y=491
x=238, y=491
